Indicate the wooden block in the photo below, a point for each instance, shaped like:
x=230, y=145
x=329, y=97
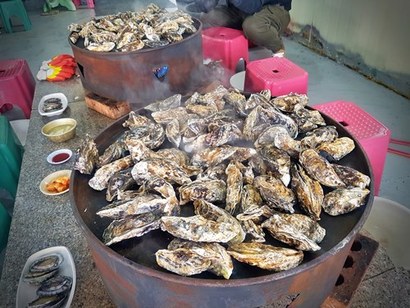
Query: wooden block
x=110, y=108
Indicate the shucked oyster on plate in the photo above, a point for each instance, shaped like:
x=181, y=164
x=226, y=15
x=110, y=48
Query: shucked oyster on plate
x=220, y=174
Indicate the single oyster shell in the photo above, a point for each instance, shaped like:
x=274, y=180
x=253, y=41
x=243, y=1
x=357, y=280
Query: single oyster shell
x=105, y=46
x=173, y=132
x=250, y=198
x=280, y=138
x=337, y=149
x=182, y=261
x=87, y=156
x=318, y=136
x=216, y=172
x=215, y=213
x=320, y=169
x=166, y=116
x=162, y=168
x=308, y=191
x=237, y=100
x=101, y=177
x=234, y=184
x=181, y=158
x=113, y=152
x=120, y=181
x=254, y=230
x=55, y=285
x=275, y=194
x=266, y=256
x=344, y=200
x=295, y=230
x=221, y=262
x=227, y=133
x=306, y=119
x=351, y=177
x=131, y=226
x=260, y=118
x=278, y=161
x=199, y=229
x=212, y=156
x=152, y=135
x=171, y=102
x=288, y=102
x=46, y=264
x=136, y=120
x=209, y=190
x=139, y=205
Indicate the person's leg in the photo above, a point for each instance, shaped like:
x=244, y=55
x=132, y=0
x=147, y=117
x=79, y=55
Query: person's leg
x=223, y=16
x=265, y=27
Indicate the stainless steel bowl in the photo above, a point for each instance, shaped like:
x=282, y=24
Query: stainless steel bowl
x=60, y=130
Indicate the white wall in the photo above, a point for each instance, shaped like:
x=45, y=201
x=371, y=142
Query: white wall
x=378, y=31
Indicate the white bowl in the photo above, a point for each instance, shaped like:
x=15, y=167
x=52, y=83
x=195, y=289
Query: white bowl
x=51, y=157
x=60, y=96
x=51, y=177
x=389, y=223
x=27, y=292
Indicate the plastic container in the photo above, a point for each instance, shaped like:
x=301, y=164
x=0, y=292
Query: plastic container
x=226, y=44
x=372, y=135
x=279, y=75
x=388, y=222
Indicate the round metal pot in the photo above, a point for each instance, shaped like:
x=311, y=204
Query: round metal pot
x=130, y=75
x=133, y=278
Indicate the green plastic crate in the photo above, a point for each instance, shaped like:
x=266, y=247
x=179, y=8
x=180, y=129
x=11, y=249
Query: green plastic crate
x=11, y=153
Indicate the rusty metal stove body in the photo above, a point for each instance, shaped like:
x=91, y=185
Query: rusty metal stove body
x=130, y=76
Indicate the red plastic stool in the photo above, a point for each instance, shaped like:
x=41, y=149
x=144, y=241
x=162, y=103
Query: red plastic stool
x=17, y=85
x=226, y=44
x=90, y=3
x=372, y=135
x=279, y=75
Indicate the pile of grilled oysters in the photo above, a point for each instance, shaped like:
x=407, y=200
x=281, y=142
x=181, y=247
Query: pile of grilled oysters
x=250, y=167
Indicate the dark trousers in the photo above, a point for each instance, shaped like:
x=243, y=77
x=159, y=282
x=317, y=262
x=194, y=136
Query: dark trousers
x=263, y=28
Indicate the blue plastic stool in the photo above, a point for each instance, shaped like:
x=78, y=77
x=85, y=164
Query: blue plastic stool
x=11, y=8
x=4, y=226
x=11, y=153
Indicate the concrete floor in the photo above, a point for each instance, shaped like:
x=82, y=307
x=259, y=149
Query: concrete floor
x=328, y=80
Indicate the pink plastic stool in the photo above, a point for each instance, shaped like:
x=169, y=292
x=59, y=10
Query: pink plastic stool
x=17, y=85
x=372, y=135
x=279, y=75
x=90, y=3
x=226, y=44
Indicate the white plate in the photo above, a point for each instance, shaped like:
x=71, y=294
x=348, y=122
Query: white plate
x=51, y=177
x=26, y=292
x=57, y=152
x=238, y=80
x=60, y=96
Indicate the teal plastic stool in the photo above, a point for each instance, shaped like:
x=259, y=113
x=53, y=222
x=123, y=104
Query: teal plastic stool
x=11, y=153
x=4, y=226
x=14, y=8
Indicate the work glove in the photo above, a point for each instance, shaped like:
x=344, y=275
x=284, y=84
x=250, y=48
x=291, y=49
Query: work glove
x=58, y=68
x=206, y=5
